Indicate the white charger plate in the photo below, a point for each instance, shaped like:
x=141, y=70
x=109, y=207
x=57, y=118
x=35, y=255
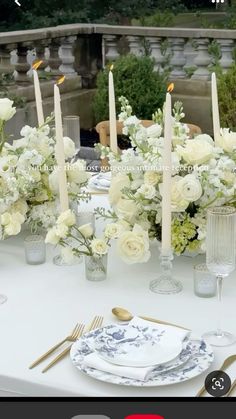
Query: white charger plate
x=135, y=346
x=199, y=358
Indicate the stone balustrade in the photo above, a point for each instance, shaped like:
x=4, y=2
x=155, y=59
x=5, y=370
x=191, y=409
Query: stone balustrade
x=82, y=49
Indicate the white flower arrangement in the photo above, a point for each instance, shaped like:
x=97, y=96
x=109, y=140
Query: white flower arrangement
x=76, y=241
x=203, y=175
x=29, y=190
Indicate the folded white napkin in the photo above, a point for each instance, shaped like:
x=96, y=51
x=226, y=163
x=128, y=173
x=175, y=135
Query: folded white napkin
x=137, y=373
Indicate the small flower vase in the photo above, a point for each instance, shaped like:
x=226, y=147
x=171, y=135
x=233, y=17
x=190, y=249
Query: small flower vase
x=96, y=267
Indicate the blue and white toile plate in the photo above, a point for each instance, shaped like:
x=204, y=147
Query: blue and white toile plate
x=136, y=345
x=195, y=358
x=102, y=181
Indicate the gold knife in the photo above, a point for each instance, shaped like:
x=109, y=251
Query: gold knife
x=227, y=362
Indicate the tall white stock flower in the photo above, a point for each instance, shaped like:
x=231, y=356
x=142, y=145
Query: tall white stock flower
x=133, y=246
x=7, y=110
x=154, y=131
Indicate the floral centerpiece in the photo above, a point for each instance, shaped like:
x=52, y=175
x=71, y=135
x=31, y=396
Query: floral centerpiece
x=29, y=176
x=80, y=241
x=203, y=175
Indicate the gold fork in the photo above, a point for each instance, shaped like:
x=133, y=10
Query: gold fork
x=95, y=324
x=227, y=362
x=70, y=338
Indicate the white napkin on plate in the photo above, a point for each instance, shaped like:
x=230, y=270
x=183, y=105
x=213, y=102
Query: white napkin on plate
x=136, y=373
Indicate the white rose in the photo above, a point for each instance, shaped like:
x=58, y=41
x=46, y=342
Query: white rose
x=52, y=236
x=113, y=230
x=126, y=209
x=67, y=255
x=20, y=206
x=151, y=177
x=18, y=217
x=61, y=230
x=227, y=140
x=5, y=218
x=190, y=188
x=86, y=230
x=118, y=182
x=154, y=131
x=6, y=109
x=178, y=204
x=148, y=191
x=133, y=246
x=67, y=218
x=12, y=229
x=69, y=147
x=197, y=151
x=99, y=247
x=76, y=172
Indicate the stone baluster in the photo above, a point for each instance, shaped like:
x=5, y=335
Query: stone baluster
x=5, y=59
x=40, y=55
x=178, y=59
x=111, y=52
x=190, y=54
x=67, y=56
x=22, y=66
x=202, y=60
x=226, y=46
x=155, y=47
x=135, y=46
x=54, y=60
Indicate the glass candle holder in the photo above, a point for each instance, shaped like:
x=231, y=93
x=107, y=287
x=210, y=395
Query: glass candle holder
x=35, y=249
x=95, y=267
x=71, y=128
x=85, y=217
x=204, y=282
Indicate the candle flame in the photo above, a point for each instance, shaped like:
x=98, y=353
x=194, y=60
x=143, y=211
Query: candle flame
x=170, y=88
x=60, y=80
x=36, y=64
x=111, y=67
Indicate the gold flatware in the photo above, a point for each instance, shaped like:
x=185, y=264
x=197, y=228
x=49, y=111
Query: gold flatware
x=233, y=386
x=227, y=362
x=70, y=338
x=96, y=322
x=124, y=315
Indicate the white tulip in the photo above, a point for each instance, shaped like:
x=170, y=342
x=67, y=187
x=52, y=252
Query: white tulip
x=6, y=109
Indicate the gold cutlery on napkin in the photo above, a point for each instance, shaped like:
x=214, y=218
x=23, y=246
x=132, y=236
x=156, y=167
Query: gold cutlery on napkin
x=70, y=338
x=95, y=324
x=227, y=362
x=124, y=315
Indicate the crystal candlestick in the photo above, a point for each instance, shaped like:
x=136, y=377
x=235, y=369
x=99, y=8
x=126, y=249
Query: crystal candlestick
x=166, y=283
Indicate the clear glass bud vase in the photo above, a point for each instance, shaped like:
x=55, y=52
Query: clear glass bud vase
x=96, y=267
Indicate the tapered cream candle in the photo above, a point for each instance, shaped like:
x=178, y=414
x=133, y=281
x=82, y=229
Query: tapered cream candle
x=112, y=113
x=60, y=155
x=215, y=108
x=37, y=92
x=167, y=169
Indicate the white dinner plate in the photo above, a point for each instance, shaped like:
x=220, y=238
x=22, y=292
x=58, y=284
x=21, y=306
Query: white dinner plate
x=101, y=181
x=135, y=346
x=199, y=354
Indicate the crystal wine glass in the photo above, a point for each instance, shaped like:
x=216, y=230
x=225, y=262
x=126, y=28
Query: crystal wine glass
x=71, y=126
x=220, y=260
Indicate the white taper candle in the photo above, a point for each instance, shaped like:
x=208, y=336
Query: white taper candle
x=112, y=114
x=215, y=108
x=38, y=98
x=167, y=169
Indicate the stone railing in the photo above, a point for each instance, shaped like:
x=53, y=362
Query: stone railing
x=84, y=48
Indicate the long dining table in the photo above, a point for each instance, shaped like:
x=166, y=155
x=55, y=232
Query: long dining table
x=46, y=301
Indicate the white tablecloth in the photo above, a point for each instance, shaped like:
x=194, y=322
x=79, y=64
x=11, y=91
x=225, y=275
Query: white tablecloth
x=45, y=302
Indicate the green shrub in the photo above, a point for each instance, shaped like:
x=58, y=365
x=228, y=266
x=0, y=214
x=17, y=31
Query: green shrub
x=227, y=97
x=135, y=78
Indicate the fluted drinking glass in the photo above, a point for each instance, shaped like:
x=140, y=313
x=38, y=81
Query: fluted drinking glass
x=220, y=260
x=71, y=127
